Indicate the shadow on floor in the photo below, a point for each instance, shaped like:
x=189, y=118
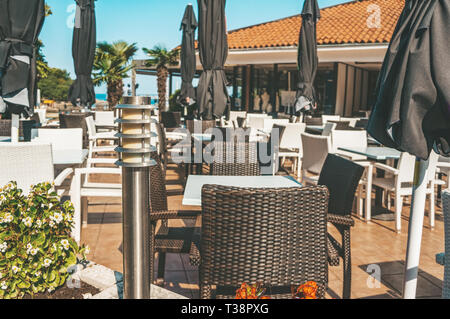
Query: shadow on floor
x=392, y=277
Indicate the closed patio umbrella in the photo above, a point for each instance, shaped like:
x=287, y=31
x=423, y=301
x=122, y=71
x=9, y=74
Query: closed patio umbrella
x=412, y=112
x=188, y=59
x=83, y=51
x=307, y=56
x=21, y=22
x=212, y=95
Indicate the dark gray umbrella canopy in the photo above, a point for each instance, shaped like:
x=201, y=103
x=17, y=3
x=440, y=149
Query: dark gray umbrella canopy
x=188, y=59
x=21, y=22
x=212, y=95
x=412, y=110
x=83, y=51
x=307, y=55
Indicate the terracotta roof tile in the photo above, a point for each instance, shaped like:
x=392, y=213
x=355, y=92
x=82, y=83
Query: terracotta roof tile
x=347, y=23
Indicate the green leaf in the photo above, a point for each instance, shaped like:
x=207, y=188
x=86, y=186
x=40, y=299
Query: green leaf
x=52, y=276
x=40, y=240
x=23, y=285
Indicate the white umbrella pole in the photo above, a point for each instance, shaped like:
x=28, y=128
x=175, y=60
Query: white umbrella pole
x=415, y=230
x=14, y=128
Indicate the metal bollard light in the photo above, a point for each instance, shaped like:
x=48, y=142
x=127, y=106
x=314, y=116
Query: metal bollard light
x=134, y=157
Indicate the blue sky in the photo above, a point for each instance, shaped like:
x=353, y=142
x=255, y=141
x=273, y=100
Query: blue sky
x=149, y=22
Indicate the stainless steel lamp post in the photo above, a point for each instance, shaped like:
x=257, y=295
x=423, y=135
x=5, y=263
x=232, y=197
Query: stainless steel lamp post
x=134, y=158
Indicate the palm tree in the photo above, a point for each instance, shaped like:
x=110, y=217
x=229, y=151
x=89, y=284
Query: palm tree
x=161, y=58
x=111, y=66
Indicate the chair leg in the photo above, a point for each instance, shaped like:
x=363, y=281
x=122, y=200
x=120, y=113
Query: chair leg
x=299, y=169
x=205, y=291
x=432, y=210
x=360, y=201
x=84, y=211
x=346, y=293
x=398, y=213
x=161, y=268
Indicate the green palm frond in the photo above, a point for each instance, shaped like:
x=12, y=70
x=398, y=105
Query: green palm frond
x=161, y=57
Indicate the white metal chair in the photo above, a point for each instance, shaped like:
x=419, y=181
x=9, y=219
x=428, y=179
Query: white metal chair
x=96, y=149
x=269, y=123
x=29, y=164
x=256, y=122
x=80, y=193
x=328, y=128
x=315, y=151
x=234, y=115
x=341, y=138
x=291, y=145
x=327, y=118
x=400, y=181
x=104, y=121
x=352, y=120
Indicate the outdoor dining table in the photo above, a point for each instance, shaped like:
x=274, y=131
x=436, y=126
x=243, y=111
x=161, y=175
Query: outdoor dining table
x=193, y=189
x=375, y=153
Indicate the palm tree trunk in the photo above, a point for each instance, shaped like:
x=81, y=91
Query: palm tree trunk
x=115, y=93
x=162, y=74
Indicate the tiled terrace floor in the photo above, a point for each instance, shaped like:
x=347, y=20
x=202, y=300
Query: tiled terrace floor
x=372, y=244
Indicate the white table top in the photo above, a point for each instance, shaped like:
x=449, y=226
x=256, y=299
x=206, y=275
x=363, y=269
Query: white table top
x=69, y=157
x=193, y=190
x=374, y=153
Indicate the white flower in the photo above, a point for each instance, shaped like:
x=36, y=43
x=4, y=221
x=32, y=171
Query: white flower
x=47, y=262
x=7, y=218
x=3, y=247
x=57, y=218
x=34, y=251
x=65, y=244
x=38, y=273
x=4, y=286
x=28, y=222
x=50, y=289
x=52, y=223
x=15, y=269
x=87, y=250
x=39, y=223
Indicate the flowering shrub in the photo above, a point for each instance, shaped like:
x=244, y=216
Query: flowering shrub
x=251, y=292
x=306, y=291
x=36, y=249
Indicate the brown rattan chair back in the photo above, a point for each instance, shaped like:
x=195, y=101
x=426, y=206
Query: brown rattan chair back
x=158, y=192
x=233, y=158
x=274, y=236
x=162, y=142
x=205, y=125
x=171, y=120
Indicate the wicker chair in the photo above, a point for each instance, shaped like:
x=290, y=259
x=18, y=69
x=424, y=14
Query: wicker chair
x=205, y=125
x=341, y=177
x=165, y=149
x=232, y=158
x=171, y=120
x=277, y=236
x=166, y=239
